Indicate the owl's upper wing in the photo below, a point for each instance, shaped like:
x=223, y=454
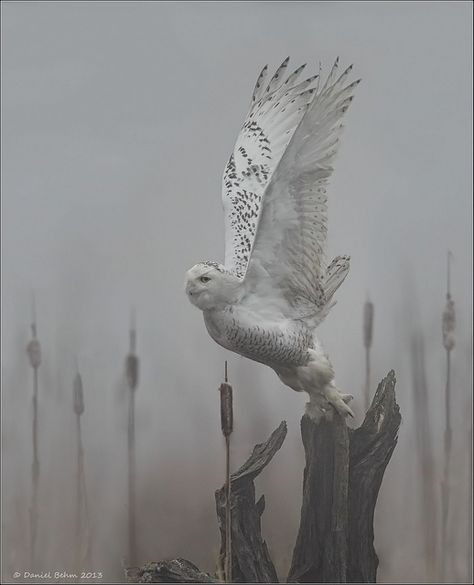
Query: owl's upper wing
x=276, y=109
x=289, y=244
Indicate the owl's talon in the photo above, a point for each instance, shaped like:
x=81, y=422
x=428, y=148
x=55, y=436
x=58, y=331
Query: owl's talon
x=338, y=400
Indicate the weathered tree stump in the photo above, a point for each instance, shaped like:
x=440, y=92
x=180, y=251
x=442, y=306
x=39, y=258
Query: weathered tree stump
x=320, y=553
x=251, y=562
x=342, y=477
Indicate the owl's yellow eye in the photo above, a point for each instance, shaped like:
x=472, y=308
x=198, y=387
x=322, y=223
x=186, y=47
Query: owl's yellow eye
x=204, y=279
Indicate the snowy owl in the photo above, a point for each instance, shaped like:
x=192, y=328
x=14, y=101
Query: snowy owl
x=275, y=287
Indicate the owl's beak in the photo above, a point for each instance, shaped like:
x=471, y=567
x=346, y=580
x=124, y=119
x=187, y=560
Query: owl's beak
x=190, y=290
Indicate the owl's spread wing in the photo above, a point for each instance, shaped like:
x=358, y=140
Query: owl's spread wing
x=288, y=250
x=276, y=109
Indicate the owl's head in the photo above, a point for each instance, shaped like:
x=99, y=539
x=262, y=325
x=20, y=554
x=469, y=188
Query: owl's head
x=209, y=285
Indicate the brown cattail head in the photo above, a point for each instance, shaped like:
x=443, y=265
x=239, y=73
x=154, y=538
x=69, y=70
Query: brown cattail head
x=449, y=323
x=78, y=395
x=131, y=361
x=368, y=323
x=33, y=350
x=227, y=417
x=131, y=370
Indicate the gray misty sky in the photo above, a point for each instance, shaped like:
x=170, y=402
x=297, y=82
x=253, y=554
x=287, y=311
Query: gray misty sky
x=118, y=119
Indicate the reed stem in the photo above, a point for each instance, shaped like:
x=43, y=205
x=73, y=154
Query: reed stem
x=445, y=495
x=367, y=379
x=81, y=527
x=228, y=553
x=34, y=474
x=469, y=510
x=368, y=335
x=131, y=481
x=33, y=350
x=131, y=370
x=78, y=530
x=448, y=326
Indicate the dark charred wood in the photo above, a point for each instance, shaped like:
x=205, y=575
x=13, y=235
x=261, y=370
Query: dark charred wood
x=251, y=562
x=342, y=478
x=320, y=553
x=371, y=447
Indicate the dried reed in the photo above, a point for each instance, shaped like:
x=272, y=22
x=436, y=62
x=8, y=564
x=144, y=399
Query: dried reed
x=424, y=446
x=78, y=406
x=469, y=498
x=448, y=326
x=78, y=395
x=81, y=493
x=227, y=426
x=368, y=334
x=34, y=355
x=131, y=373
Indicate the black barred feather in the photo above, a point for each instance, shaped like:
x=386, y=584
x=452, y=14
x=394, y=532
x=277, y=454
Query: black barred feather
x=274, y=185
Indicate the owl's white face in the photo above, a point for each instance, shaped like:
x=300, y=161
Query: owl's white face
x=208, y=286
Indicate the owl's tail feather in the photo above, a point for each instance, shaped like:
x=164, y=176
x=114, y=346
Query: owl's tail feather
x=335, y=274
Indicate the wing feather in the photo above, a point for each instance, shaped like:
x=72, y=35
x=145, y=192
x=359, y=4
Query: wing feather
x=276, y=81
x=276, y=110
x=290, y=238
x=259, y=85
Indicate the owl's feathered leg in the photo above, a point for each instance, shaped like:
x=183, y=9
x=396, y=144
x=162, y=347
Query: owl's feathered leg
x=318, y=380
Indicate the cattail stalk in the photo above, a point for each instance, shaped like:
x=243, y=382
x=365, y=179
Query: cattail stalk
x=368, y=334
x=424, y=445
x=34, y=355
x=81, y=494
x=131, y=371
x=227, y=425
x=448, y=326
x=469, y=508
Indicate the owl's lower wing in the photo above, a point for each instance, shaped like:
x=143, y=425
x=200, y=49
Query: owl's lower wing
x=290, y=239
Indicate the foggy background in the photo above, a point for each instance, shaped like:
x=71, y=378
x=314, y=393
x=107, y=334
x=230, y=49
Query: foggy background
x=118, y=119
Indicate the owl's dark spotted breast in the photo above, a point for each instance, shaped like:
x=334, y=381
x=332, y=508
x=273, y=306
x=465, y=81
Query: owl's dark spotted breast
x=268, y=343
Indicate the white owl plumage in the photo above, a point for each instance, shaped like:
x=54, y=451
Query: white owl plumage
x=275, y=286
